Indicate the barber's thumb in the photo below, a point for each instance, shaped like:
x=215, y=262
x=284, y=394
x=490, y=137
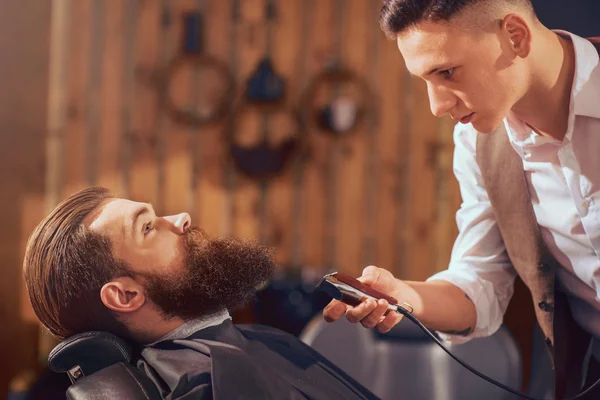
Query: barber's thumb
x=370, y=275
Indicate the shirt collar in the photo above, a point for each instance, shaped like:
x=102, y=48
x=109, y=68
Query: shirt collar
x=195, y=325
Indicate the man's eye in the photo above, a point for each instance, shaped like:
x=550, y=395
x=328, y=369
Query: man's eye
x=447, y=73
x=148, y=227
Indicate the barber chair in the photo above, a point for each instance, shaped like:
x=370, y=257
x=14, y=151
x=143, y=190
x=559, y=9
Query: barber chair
x=406, y=364
x=99, y=367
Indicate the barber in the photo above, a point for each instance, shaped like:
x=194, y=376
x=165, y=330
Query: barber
x=527, y=159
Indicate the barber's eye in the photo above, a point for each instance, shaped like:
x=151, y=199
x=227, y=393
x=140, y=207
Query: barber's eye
x=447, y=73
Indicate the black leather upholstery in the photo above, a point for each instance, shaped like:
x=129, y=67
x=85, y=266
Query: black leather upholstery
x=92, y=351
x=119, y=381
x=99, y=365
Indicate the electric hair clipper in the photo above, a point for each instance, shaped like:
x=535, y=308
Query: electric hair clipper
x=351, y=291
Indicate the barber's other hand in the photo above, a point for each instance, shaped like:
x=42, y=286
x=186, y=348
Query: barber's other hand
x=370, y=313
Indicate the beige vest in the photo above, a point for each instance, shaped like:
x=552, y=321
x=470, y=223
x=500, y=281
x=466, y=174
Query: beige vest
x=502, y=171
x=506, y=185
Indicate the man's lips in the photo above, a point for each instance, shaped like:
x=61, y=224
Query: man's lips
x=466, y=119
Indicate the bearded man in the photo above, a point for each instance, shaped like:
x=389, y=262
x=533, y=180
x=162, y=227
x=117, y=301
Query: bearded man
x=101, y=263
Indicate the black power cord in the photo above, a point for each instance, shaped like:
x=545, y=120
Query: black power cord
x=351, y=291
x=434, y=337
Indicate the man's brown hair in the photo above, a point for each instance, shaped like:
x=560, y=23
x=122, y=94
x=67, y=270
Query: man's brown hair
x=66, y=265
x=396, y=16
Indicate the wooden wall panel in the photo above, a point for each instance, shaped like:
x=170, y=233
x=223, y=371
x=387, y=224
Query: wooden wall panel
x=287, y=55
x=212, y=194
x=317, y=221
x=357, y=40
x=370, y=247
x=24, y=78
x=143, y=171
x=248, y=208
x=391, y=157
x=111, y=102
x=419, y=235
x=173, y=137
x=74, y=162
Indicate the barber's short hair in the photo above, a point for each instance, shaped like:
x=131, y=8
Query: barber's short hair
x=66, y=265
x=398, y=15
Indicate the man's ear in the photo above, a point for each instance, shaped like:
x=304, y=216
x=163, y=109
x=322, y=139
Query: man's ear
x=123, y=295
x=518, y=33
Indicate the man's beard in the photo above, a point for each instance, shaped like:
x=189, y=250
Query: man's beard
x=217, y=274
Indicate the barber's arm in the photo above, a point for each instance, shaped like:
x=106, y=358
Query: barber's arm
x=439, y=305
x=468, y=299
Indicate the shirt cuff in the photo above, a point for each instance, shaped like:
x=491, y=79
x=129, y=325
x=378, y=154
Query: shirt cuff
x=482, y=294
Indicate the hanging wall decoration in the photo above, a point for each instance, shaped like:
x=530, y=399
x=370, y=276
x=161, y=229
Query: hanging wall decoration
x=265, y=94
x=218, y=84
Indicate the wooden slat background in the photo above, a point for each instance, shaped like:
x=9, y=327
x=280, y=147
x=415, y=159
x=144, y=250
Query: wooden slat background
x=384, y=195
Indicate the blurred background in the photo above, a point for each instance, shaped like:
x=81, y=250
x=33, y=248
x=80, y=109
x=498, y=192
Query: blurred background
x=293, y=122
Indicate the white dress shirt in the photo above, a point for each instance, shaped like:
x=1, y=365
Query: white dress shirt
x=564, y=183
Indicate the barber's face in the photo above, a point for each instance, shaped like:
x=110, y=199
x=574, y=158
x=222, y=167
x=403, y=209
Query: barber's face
x=184, y=272
x=472, y=77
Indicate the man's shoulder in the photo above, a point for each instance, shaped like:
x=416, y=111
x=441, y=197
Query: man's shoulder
x=267, y=334
x=465, y=136
x=465, y=145
x=266, y=331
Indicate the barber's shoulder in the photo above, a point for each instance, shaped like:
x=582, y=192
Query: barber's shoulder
x=464, y=133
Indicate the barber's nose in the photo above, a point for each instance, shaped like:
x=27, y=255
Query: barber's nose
x=181, y=222
x=440, y=101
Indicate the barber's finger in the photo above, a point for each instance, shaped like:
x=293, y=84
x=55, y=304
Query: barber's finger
x=356, y=314
x=375, y=316
x=389, y=322
x=334, y=310
x=370, y=275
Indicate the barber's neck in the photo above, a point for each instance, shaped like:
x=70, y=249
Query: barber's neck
x=545, y=106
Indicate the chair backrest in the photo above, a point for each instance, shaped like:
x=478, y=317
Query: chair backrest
x=406, y=363
x=99, y=367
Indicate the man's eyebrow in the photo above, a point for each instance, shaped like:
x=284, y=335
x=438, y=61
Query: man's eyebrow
x=146, y=208
x=441, y=67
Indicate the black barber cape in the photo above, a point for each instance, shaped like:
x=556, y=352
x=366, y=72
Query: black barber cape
x=227, y=362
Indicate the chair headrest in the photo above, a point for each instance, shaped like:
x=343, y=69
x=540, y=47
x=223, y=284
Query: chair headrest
x=91, y=351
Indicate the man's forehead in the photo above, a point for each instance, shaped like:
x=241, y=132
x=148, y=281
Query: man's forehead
x=110, y=214
x=428, y=44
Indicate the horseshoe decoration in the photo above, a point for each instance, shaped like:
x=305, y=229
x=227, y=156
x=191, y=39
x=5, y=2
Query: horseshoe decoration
x=264, y=160
x=341, y=114
x=192, y=56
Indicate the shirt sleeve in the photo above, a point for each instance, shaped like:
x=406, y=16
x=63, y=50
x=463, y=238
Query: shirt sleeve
x=479, y=264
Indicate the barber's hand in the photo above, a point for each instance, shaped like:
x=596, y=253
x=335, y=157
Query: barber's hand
x=370, y=313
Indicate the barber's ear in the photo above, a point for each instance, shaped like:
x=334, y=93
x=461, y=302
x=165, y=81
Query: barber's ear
x=123, y=295
x=518, y=33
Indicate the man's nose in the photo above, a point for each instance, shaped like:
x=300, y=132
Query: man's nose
x=440, y=100
x=181, y=222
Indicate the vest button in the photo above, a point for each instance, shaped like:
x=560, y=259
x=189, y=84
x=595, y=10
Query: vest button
x=545, y=306
x=545, y=268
